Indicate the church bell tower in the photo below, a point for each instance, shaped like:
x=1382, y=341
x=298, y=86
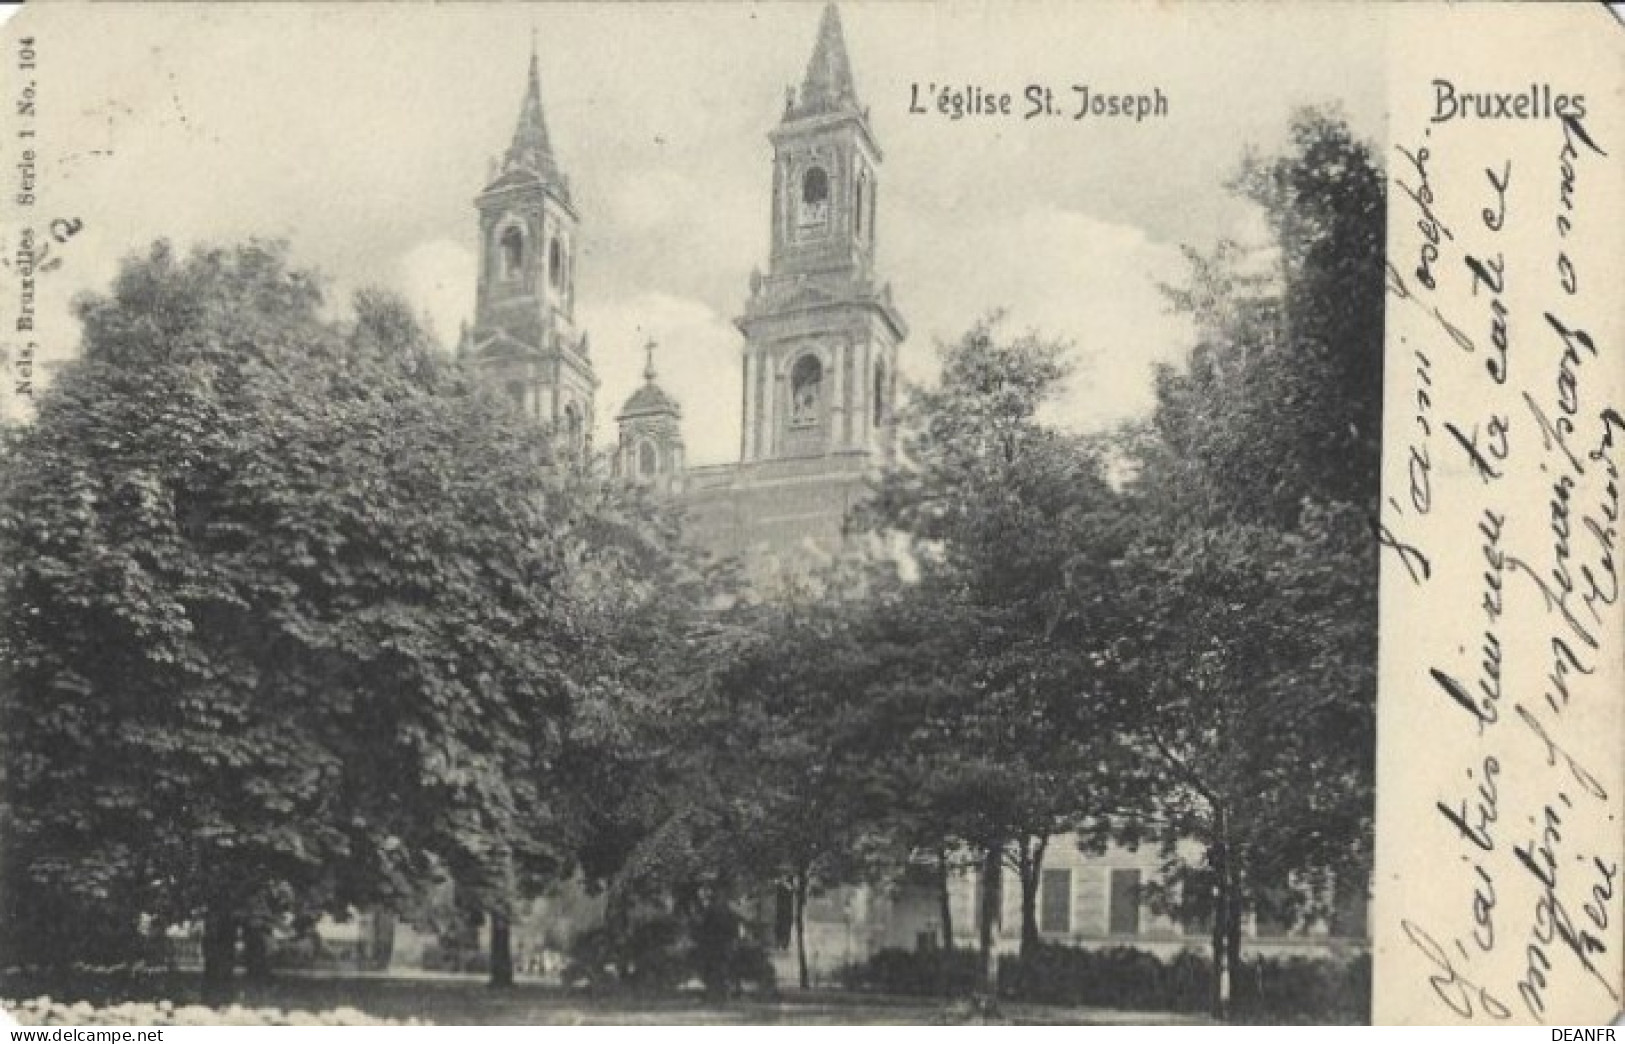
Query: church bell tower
x=524, y=338
x=820, y=359
x=649, y=451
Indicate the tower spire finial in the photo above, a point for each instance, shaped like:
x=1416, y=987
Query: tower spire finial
x=531, y=149
x=828, y=85
x=649, y=364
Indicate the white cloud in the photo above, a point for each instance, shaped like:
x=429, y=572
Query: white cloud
x=438, y=277
x=649, y=200
x=1065, y=274
x=697, y=359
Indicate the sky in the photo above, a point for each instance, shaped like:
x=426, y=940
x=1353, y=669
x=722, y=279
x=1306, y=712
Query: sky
x=361, y=133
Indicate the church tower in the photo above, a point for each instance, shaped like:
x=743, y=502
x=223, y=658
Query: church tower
x=821, y=333
x=650, y=450
x=524, y=338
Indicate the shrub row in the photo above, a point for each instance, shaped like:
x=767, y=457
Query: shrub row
x=43, y=1011
x=1267, y=989
x=919, y=973
x=659, y=954
x=1119, y=977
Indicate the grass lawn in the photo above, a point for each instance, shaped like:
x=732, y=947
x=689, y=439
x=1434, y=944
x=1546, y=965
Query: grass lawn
x=465, y=1000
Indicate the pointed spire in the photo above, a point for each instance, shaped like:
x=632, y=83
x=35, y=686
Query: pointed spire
x=531, y=149
x=828, y=86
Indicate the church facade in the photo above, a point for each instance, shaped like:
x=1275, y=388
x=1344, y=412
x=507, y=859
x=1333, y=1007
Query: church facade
x=818, y=372
x=817, y=396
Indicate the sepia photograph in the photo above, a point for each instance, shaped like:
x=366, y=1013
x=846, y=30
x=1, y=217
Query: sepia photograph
x=784, y=514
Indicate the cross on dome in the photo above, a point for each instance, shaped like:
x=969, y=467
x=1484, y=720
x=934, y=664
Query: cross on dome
x=650, y=399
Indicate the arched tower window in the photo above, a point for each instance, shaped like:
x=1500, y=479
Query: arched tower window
x=513, y=252
x=806, y=391
x=516, y=392
x=880, y=394
x=815, y=186
x=814, y=197
x=648, y=459
x=572, y=425
x=858, y=202
x=555, y=262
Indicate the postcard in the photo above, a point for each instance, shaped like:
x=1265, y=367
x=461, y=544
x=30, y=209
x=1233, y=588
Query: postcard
x=812, y=513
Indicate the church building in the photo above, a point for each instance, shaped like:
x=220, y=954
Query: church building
x=818, y=373
x=817, y=396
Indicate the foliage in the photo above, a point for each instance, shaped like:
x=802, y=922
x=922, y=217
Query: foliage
x=1252, y=577
x=656, y=952
x=286, y=628
x=1118, y=977
x=934, y=971
x=1015, y=527
x=1325, y=990
x=1281, y=400
x=295, y=617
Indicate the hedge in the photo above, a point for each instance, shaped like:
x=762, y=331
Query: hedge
x=1266, y=989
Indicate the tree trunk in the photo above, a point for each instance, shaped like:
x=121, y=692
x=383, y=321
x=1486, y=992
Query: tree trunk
x=1219, y=988
x=1030, y=867
x=992, y=865
x=501, y=952
x=799, y=900
x=1226, y=924
x=1232, y=947
x=256, y=951
x=219, y=953
x=945, y=900
x=383, y=939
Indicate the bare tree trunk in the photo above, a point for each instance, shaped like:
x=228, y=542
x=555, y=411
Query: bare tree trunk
x=219, y=952
x=256, y=951
x=1030, y=866
x=799, y=900
x=501, y=952
x=383, y=939
x=1226, y=921
x=945, y=900
x=1219, y=988
x=992, y=866
x=1232, y=948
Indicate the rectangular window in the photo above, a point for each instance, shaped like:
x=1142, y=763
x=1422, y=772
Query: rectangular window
x=1125, y=902
x=1055, y=901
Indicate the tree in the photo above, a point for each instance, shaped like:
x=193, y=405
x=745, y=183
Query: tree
x=1281, y=400
x=1007, y=515
x=655, y=815
x=682, y=847
x=286, y=631
x=1253, y=578
x=817, y=769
